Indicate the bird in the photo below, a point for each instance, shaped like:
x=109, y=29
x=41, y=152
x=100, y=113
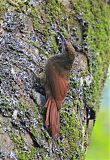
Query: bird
x=57, y=73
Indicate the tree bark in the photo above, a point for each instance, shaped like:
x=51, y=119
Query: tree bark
x=28, y=37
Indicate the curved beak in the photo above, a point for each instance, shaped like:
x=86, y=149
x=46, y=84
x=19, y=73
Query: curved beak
x=64, y=41
x=62, y=37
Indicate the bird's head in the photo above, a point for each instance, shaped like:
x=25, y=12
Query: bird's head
x=70, y=50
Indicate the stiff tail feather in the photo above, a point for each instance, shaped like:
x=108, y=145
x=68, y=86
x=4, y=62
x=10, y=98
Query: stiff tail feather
x=52, y=117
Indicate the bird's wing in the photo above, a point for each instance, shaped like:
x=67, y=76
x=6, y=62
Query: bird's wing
x=58, y=85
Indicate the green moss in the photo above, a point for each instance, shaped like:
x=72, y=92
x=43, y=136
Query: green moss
x=53, y=43
x=13, y=3
x=52, y=10
x=72, y=131
x=5, y=100
x=97, y=14
x=2, y=8
x=21, y=152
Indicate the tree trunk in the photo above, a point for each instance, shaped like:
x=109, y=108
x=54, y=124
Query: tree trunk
x=28, y=37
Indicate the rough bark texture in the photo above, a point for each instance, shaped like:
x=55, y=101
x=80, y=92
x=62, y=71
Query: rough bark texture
x=27, y=39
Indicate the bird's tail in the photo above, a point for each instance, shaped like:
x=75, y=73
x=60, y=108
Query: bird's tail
x=52, y=117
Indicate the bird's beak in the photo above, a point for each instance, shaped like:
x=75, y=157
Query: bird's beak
x=64, y=42
x=63, y=38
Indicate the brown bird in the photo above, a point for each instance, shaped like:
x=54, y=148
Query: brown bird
x=57, y=78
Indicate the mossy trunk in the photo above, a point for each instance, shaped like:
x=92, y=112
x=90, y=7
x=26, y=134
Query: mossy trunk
x=28, y=37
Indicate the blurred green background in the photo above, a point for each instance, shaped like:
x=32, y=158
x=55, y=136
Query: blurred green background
x=99, y=148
